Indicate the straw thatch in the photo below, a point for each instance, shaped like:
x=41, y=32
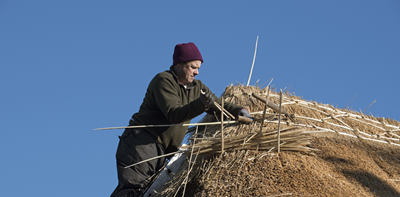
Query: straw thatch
x=209, y=170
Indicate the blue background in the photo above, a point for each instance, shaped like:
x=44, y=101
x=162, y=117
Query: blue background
x=67, y=67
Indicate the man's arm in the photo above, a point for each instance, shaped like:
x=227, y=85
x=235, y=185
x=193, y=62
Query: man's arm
x=232, y=108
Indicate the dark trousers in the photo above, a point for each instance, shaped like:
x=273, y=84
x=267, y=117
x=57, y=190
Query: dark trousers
x=136, y=145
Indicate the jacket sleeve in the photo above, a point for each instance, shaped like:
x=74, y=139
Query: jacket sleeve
x=230, y=107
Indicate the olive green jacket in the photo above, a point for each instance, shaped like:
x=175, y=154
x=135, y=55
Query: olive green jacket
x=169, y=102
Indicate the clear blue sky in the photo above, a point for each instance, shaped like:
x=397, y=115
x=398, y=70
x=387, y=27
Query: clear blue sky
x=67, y=67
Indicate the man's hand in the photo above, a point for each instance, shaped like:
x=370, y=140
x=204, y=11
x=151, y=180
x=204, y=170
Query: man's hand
x=244, y=112
x=207, y=99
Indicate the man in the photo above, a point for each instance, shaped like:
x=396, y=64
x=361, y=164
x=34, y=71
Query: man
x=172, y=97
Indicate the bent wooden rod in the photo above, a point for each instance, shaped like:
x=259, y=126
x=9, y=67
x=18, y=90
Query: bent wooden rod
x=272, y=105
x=241, y=119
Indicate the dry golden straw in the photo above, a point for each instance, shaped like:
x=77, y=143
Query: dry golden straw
x=296, y=128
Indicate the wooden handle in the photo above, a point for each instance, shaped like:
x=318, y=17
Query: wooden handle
x=260, y=98
x=244, y=119
x=268, y=103
x=272, y=105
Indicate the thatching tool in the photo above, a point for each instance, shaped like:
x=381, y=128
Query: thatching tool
x=272, y=105
x=244, y=119
x=224, y=111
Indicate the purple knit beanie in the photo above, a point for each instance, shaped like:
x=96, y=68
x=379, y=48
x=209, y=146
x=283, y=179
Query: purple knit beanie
x=186, y=52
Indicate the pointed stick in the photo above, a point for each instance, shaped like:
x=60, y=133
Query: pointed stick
x=262, y=123
x=161, y=156
x=222, y=125
x=167, y=125
x=279, y=123
x=350, y=101
x=369, y=106
x=254, y=58
x=190, y=160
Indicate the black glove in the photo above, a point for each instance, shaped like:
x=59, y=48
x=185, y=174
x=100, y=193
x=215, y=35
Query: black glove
x=207, y=99
x=245, y=113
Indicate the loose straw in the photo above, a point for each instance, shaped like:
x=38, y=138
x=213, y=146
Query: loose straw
x=350, y=115
x=369, y=106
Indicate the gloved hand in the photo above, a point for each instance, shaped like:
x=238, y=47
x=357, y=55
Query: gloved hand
x=207, y=99
x=244, y=112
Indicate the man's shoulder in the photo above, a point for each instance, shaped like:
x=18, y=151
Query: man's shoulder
x=164, y=74
x=162, y=78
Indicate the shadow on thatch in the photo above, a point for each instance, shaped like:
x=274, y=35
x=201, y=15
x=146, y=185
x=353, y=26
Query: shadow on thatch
x=372, y=183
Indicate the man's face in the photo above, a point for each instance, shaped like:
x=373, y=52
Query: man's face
x=187, y=71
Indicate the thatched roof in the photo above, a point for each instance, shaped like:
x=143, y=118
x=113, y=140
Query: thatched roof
x=325, y=151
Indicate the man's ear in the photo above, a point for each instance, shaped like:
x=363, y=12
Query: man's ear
x=174, y=66
x=177, y=65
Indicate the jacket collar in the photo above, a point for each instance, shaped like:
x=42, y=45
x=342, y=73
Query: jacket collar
x=188, y=85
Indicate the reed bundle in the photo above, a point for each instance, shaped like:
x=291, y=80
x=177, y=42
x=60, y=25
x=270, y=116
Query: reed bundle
x=293, y=138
